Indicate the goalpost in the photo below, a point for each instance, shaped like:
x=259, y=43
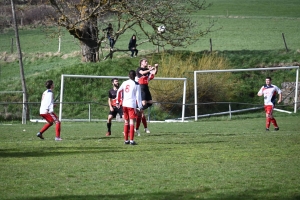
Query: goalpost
x=63, y=76
x=240, y=70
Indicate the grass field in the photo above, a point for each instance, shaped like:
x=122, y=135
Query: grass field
x=209, y=159
x=214, y=158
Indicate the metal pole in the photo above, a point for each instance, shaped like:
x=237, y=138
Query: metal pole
x=24, y=110
x=296, y=90
x=149, y=112
x=183, y=101
x=61, y=96
x=230, y=111
x=195, y=95
x=59, y=43
x=89, y=112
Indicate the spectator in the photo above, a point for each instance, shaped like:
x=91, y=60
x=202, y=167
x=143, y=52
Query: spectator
x=110, y=35
x=132, y=46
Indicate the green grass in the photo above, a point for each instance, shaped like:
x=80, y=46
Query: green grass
x=250, y=25
x=208, y=159
x=214, y=158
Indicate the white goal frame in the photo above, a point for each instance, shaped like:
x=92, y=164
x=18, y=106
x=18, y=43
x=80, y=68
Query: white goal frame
x=63, y=76
x=241, y=70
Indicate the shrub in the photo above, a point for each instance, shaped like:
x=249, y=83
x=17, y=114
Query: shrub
x=211, y=87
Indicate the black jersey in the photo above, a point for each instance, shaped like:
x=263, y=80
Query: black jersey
x=112, y=94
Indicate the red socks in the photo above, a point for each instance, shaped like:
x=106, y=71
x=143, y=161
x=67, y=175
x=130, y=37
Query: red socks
x=138, y=122
x=269, y=121
x=273, y=121
x=45, y=127
x=144, y=121
x=57, y=129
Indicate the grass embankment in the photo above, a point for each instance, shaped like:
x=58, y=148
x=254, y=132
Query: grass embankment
x=251, y=36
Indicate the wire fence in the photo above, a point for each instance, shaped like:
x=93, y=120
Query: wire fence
x=95, y=111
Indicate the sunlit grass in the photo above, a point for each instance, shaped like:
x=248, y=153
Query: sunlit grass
x=194, y=160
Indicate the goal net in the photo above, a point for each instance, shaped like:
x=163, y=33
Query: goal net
x=252, y=79
x=90, y=98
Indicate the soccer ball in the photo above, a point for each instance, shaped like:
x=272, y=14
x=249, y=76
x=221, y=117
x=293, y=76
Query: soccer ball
x=161, y=29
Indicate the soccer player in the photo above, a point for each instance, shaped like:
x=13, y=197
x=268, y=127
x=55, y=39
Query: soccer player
x=145, y=73
x=131, y=101
x=113, y=109
x=270, y=92
x=47, y=112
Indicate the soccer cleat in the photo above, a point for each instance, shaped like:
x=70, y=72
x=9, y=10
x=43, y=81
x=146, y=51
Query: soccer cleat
x=276, y=129
x=138, y=132
x=40, y=135
x=108, y=133
x=133, y=143
x=147, y=130
x=58, y=139
x=267, y=129
x=126, y=142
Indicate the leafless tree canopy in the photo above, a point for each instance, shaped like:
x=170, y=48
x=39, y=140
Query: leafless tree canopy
x=82, y=17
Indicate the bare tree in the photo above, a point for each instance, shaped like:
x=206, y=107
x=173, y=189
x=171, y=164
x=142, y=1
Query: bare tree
x=81, y=19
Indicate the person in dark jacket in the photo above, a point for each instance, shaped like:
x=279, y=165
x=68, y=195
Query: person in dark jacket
x=132, y=46
x=110, y=35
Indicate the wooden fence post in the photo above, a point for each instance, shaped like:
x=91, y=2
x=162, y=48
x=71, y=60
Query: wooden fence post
x=12, y=45
x=284, y=42
x=210, y=45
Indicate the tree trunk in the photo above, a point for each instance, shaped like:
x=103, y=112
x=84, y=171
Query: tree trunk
x=87, y=33
x=89, y=50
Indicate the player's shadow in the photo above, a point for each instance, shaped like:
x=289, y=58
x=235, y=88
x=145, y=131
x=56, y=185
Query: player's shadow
x=56, y=151
x=201, y=193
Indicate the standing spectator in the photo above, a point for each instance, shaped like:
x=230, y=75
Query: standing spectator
x=110, y=35
x=270, y=92
x=113, y=109
x=46, y=111
x=132, y=46
x=145, y=73
x=131, y=99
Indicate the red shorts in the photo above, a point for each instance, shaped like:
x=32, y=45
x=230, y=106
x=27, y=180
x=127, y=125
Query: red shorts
x=268, y=109
x=50, y=117
x=129, y=113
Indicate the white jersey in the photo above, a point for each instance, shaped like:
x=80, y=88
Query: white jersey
x=269, y=93
x=47, y=102
x=131, y=94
